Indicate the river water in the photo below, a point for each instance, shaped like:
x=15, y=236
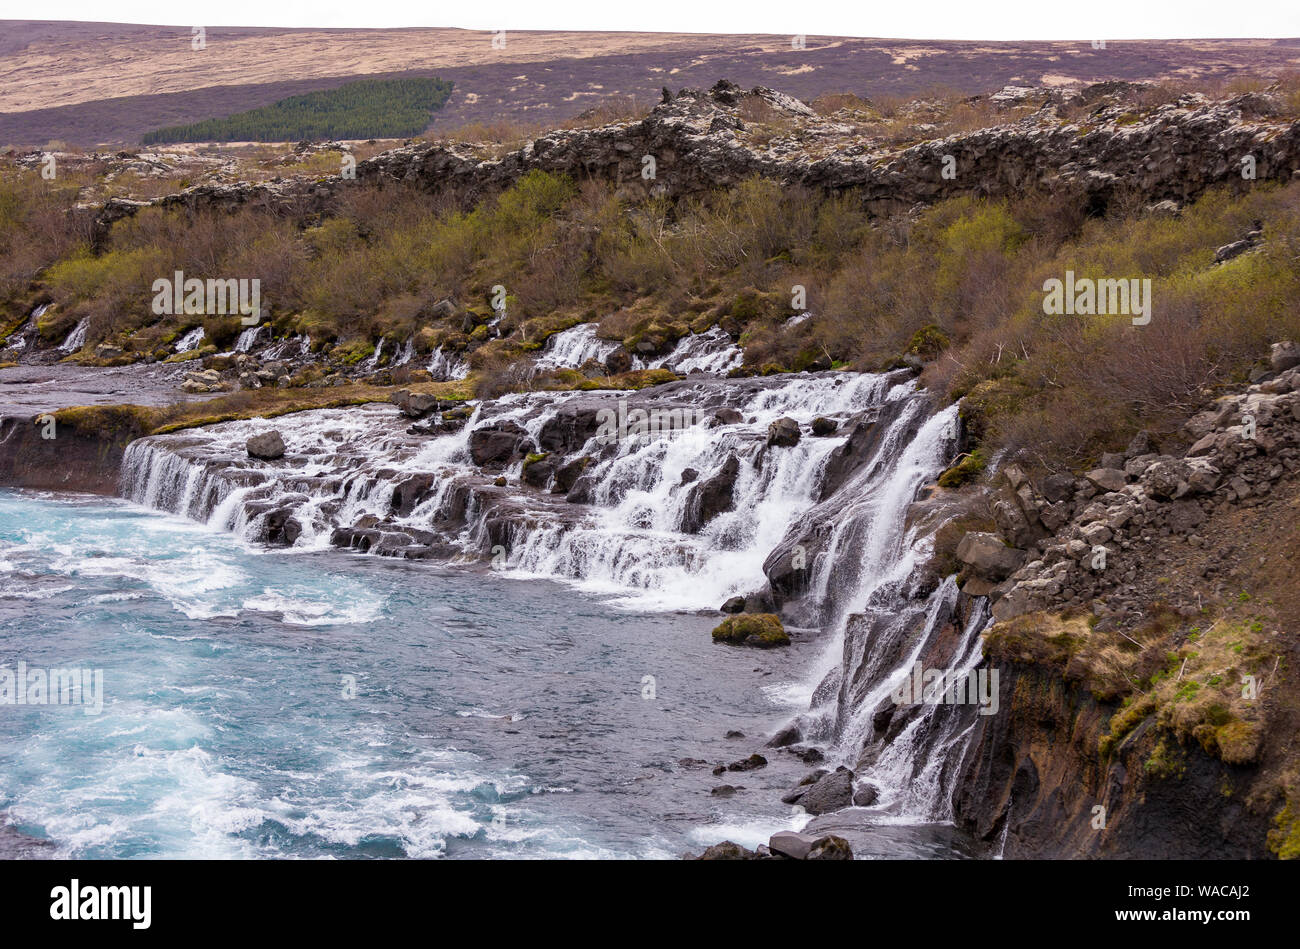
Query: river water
x=491, y=717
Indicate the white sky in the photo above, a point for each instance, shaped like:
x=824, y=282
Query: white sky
x=920, y=19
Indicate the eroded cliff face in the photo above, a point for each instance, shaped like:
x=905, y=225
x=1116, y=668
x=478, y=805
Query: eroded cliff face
x=1033, y=783
x=83, y=454
x=1146, y=645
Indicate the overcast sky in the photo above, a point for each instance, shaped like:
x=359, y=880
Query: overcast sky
x=928, y=19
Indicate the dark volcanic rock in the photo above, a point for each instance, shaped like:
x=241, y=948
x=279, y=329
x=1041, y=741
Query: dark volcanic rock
x=267, y=446
x=711, y=497
x=834, y=792
x=783, y=433
x=497, y=444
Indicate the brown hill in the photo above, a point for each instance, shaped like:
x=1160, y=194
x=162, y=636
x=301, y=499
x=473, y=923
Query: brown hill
x=93, y=83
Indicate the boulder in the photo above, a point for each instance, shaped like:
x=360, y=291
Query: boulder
x=789, y=843
x=865, y=796
x=727, y=850
x=988, y=555
x=1284, y=355
x=1107, y=479
x=783, y=433
x=822, y=426
x=497, y=444
x=787, y=736
x=762, y=630
x=267, y=446
x=711, y=497
x=834, y=792
x=831, y=847
x=734, y=604
x=620, y=360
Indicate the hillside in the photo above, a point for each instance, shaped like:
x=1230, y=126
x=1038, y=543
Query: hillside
x=86, y=83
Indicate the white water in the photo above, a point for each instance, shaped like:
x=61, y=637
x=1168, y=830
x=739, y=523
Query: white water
x=77, y=338
x=372, y=361
x=571, y=348
x=628, y=540
x=248, y=338
x=190, y=340
x=445, y=367
x=711, y=352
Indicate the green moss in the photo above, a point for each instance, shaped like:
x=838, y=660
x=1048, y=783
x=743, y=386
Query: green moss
x=763, y=630
x=970, y=467
x=928, y=342
x=1284, y=838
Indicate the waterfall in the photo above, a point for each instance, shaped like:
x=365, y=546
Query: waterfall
x=405, y=354
x=190, y=340
x=625, y=537
x=711, y=352
x=77, y=338
x=627, y=528
x=248, y=338
x=372, y=361
x=445, y=367
x=571, y=348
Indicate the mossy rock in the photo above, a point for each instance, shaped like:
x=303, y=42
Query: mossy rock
x=762, y=630
x=965, y=471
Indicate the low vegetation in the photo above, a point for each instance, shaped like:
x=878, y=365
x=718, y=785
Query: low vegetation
x=368, y=108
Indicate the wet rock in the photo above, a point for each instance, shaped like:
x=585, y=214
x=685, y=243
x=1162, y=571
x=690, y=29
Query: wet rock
x=410, y=492
x=267, y=446
x=725, y=790
x=734, y=604
x=789, y=735
x=619, y=361
x=752, y=763
x=566, y=476
x=497, y=444
x=711, y=497
x=727, y=850
x=783, y=433
x=831, y=847
x=761, y=630
x=789, y=843
x=834, y=792
x=537, y=471
x=727, y=416
x=865, y=796
x=822, y=426
x=689, y=475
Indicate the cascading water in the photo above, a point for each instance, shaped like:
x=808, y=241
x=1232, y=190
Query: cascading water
x=190, y=340
x=248, y=338
x=573, y=347
x=635, y=531
x=445, y=367
x=77, y=338
x=371, y=362
x=710, y=352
